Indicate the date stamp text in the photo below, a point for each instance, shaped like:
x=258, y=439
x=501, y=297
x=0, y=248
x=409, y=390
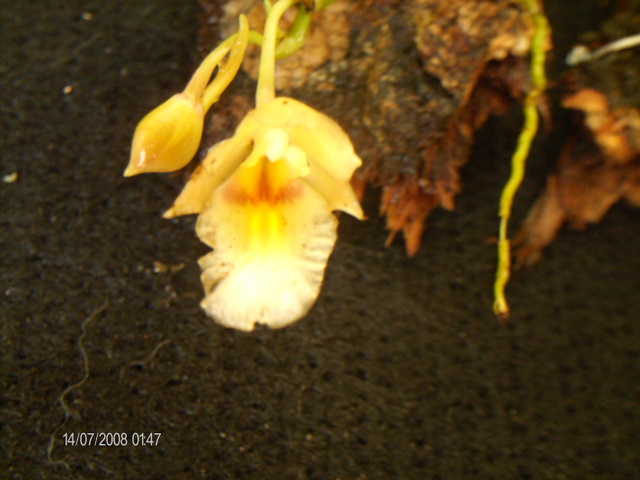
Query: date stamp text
x=111, y=439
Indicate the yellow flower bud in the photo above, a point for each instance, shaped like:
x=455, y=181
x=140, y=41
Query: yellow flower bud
x=168, y=137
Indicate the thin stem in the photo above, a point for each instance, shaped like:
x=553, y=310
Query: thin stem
x=198, y=82
x=581, y=54
x=294, y=40
x=255, y=38
x=266, y=75
x=527, y=134
x=228, y=71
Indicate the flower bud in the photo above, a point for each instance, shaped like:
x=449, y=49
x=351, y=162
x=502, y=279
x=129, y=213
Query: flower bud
x=168, y=137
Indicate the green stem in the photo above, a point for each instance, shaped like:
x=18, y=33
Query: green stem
x=294, y=39
x=527, y=134
x=266, y=74
x=255, y=38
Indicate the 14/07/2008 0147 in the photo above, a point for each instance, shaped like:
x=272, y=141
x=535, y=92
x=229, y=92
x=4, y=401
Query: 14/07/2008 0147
x=111, y=439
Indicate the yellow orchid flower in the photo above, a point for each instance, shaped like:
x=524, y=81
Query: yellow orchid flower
x=265, y=199
x=265, y=196
x=168, y=137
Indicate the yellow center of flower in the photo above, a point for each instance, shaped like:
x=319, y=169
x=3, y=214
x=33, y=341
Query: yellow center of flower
x=270, y=172
x=266, y=182
x=266, y=232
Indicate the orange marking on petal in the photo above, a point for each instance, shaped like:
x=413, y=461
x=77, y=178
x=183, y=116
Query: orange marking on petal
x=265, y=182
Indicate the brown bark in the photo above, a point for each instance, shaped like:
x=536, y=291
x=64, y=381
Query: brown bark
x=410, y=81
x=600, y=163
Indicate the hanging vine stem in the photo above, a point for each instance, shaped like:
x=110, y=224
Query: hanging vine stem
x=518, y=160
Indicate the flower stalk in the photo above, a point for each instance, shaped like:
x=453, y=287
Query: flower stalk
x=266, y=90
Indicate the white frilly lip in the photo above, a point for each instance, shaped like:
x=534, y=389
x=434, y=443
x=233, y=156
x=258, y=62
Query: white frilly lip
x=265, y=198
x=275, y=285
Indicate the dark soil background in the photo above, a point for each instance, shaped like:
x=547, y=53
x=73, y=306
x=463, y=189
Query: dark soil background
x=400, y=371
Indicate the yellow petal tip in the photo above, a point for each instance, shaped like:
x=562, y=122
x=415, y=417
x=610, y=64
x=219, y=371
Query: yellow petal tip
x=170, y=213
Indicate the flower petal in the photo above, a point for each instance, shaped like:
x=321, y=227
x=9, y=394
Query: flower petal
x=324, y=141
x=221, y=161
x=269, y=258
x=338, y=193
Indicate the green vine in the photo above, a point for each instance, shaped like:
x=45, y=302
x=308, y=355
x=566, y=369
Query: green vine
x=518, y=160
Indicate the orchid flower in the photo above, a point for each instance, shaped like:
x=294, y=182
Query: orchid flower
x=265, y=196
